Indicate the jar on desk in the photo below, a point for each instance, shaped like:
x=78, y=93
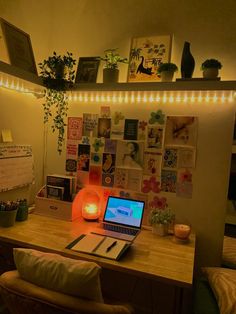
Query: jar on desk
x=22, y=212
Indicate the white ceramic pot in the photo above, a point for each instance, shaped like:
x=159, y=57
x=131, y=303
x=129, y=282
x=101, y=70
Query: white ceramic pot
x=210, y=73
x=167, y=76
x=160, y=229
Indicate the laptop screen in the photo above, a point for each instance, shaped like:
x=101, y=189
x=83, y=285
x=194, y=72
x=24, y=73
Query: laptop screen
x=124, y=211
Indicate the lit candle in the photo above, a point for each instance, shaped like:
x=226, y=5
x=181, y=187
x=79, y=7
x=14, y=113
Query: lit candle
x=182, y=231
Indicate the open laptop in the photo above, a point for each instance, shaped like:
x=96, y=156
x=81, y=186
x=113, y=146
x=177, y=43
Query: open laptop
x=122, y=218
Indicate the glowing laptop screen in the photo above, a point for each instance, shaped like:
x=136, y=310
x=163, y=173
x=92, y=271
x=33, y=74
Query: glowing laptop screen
x=124, y=211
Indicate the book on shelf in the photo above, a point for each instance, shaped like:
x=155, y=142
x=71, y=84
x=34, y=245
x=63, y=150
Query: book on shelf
x=99, y=245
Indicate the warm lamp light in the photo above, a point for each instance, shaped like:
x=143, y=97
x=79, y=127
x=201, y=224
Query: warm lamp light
x=91, y=205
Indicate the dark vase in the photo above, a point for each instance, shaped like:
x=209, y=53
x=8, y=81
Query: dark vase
x=187, y=62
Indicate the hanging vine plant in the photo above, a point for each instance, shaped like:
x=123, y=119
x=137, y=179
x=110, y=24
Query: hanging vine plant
x=58, y=75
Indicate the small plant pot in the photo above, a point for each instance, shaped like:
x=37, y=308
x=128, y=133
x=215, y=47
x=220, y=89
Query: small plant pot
x=211, y=73
x=160, y=229
x=110, y=75
x=167, y=76
x=7, y=218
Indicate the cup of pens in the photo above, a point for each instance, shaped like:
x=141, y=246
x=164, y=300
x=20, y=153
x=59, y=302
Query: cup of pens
x=8, y=211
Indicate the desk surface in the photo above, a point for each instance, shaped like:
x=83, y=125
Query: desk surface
x=150, y=256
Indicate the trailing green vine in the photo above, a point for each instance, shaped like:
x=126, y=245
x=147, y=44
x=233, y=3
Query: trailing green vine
x=58, y=75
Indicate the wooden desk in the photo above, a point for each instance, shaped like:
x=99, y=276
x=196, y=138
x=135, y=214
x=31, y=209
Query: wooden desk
x=151, y=257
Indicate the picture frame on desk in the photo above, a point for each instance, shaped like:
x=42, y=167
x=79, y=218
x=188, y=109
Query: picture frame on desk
x=19, y=47
x=87, y=70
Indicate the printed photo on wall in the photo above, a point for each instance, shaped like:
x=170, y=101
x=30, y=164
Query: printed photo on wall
x=181, y=130
x=95, y=175
x=121, y=178
x=74, y=128
x=170, y=158
x=104, y=127
x=154, y=137
x=118, y=124
x=146, y=54
x=108, y=163
x=110, y=146
x=168, y=181
x=129, y=154
x=131, y=129
x=71, y=165
x=152, y=163
x=134, y=180
x=186, y=158
x=83, y=157
x=90, y=122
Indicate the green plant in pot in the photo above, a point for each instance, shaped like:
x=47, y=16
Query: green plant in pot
x=58, y=75
x=160, y=216
x=210, y=68
x=166, y=71
x=111, y=71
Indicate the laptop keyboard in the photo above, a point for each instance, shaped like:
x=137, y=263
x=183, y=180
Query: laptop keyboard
x=120, y=229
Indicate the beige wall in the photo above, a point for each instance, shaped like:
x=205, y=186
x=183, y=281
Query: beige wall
x=88, y=27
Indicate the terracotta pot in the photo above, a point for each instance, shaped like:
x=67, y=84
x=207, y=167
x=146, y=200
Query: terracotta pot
x=110, y=75
x=160, y=229
x=167, y=76
x=210, y=73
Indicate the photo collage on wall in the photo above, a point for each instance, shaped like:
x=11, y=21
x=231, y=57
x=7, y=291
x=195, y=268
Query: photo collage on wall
x=140, y=158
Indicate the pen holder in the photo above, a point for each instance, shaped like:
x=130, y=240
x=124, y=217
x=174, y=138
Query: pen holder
x=7, y=218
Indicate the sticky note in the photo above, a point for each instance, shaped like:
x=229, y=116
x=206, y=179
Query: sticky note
x=6, y=136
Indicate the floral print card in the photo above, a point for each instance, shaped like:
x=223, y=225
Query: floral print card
x=186, y=158
x=168, y=181
x=154, y=138
x=184, y=189
x=108, y=180
x=152, y=163
x=170, y=158
x=121, y=178
x=181, y=130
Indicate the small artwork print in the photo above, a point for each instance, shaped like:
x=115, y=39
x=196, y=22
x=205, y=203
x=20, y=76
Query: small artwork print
x=168, y=181
x=151, y=184
x=74, y=128
x=170, y=158
x=71, y=165
x=155, y=137
x=105, y=112
x=186, y=158
x=131, y=129
x=146, y=54
x=96, y=158
x=110, y=146
x=134, y=180
x=83, y=157
x=108, y=163
x=129, y=154
x=152, y=163
x=181, y=130
x=95, y=175
x=108, y=180
x=184, y=190
x=184, y=175
x=87, y=70
x=142, y=130
x=71, y=149
x=104, y=127
x=121, y=178
x=90, y=122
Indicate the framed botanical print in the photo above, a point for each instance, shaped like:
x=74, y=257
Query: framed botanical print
x=87, y=70
x=19, y=47
x=146, y=54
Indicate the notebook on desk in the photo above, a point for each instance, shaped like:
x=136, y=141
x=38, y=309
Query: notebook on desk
x=122, y=218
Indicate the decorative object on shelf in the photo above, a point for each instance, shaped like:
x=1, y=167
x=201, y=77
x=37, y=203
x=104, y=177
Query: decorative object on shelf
x=181, y=233
x=58, y=75
x=111, y=71
x=91, y=205
x=160, y=216
x=187, y=62
x=166, y=71
x=210, y=68
x=19, y=47
x=8, y=211
x=87, y=70
x=146, y=54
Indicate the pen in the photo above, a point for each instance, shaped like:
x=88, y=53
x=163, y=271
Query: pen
x=111, y=246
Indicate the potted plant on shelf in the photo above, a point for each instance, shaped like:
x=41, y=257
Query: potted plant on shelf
x=210, y=68
x=58, y=75
x=166, y=71
x=111, y=71
x=160, y=216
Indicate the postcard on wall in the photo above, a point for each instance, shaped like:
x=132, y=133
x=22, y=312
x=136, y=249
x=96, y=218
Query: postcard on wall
x=121, y=178
x=83, y=157
x=107, y=180
x=131, y=129
x=184, y=175
x=118, y=124
x=146, y=54
x=105, y=112
x=95, y=175
x=129, y=154
x=71, y=165
x=170, y=158
x=181, y=130
x=96, y=158
x=104, y=127
x=142, y=130
x=90, y=122
x=168, y=181
x=134, y=180
x=74, y=128
x=186, y=158
x=108, y=163
x=154, y=137
x=152, y=163
x=110, y=146
x=184, y=189
x=71, y=149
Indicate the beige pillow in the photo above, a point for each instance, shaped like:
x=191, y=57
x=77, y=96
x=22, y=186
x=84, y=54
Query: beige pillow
x=229, y=252
x=223, y=284
x=53, y=271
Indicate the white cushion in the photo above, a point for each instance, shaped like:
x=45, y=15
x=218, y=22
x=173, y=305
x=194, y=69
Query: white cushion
x=62, y=274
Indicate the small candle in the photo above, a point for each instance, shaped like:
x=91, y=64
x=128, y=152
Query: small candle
x=182, y=231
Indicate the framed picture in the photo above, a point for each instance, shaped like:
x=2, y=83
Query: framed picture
x=19, y=47
x=87, y=70
x=146, y=54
